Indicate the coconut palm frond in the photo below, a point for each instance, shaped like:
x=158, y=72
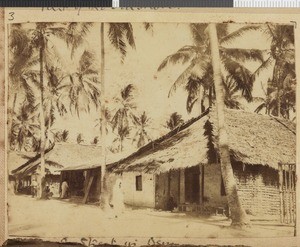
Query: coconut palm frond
x=116, y=38
x=196, y=67
x=141, y=136
x=182, y=79
x=183, y=55
x=242, y=76
x=260, y=107
x=243, y=55
x=198, y=33
x=174, y=121
x=59, y=32
x=232, y=104
x=193, y=89
x=20, y=42
x=75, y=34
x=86, y=61
x=118, y=33
x=129, y=34
x=127, y=92
x=238, y=33
x=222, y=30
x=265, y=65
x=29, y=91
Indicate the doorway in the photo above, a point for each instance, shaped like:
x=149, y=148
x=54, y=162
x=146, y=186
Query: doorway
x=192, y=185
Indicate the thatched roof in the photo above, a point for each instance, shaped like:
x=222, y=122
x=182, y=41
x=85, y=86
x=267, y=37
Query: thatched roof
x=15, y=159
x=64, y=155
x=259, y=139
x=182, y=147
x=253, y=139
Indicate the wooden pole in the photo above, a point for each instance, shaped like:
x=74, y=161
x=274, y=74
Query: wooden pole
x=290, y=195
x=178, y=188
x=286, y=196
x=200, y=184
x=280, y=173
x=294, y=193
x=169, y=184
x=103, y=199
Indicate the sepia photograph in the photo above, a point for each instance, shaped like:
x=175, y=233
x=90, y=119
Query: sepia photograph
x=151, y=129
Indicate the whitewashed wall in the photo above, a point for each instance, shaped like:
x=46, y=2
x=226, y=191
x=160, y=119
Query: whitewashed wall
x=144, y=198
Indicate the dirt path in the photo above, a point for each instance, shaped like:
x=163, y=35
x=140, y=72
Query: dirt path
x=54, y=218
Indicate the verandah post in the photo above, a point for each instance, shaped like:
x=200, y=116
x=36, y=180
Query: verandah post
x=280, y=173
x=200, y=184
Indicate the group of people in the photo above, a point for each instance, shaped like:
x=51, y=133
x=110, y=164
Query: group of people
x=117, y=200
x=46, y=193
x=35, y=187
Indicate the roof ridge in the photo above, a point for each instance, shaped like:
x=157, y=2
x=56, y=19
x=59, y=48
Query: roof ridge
x=160, y=139
x=279, y=121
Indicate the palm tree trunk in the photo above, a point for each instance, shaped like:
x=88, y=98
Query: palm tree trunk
x=238, y=214
x=42, y=122
x=210, y=96
x=277, y=78
x=103, y=120
x=121, y=144
x=278, y=102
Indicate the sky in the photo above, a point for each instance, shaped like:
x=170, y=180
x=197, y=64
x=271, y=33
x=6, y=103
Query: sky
x=140, y=68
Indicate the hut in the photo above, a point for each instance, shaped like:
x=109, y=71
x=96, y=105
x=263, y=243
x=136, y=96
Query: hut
x=58, y=157
x=84, y=176
x=183, y=165
x=14, y=160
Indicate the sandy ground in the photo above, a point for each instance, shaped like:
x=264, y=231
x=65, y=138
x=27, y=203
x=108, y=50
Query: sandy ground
x=55, y=218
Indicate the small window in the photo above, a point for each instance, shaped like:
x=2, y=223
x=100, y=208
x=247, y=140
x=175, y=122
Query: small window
x=223, y=192
x=138, y=183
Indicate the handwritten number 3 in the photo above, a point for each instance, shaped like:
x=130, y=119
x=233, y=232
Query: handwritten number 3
x=12, y=16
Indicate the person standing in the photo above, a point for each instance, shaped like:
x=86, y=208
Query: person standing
x=64, y=189
x=34, y=186
x=118, y=198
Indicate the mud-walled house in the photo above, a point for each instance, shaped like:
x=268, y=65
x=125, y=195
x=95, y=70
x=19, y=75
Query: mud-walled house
x=182, y=168
x=58, y=157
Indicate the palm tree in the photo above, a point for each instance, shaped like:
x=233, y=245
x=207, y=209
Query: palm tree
x=41, y=38
x=119, y=35
x=124, y=114
x=22, y=59
x=141, y=136
x=107, y=116
x=238, y=214
x=287, y=99
x=25, y=128
x=79, y=138
x=65, y=135
x=95, y=140
x=61, y=136
x=282, y=57
x=53, y=96
x=82, y=86
x=231, y=95
x=122, y=134
x=75, y=34
x=174, y=121
x=197, y=78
